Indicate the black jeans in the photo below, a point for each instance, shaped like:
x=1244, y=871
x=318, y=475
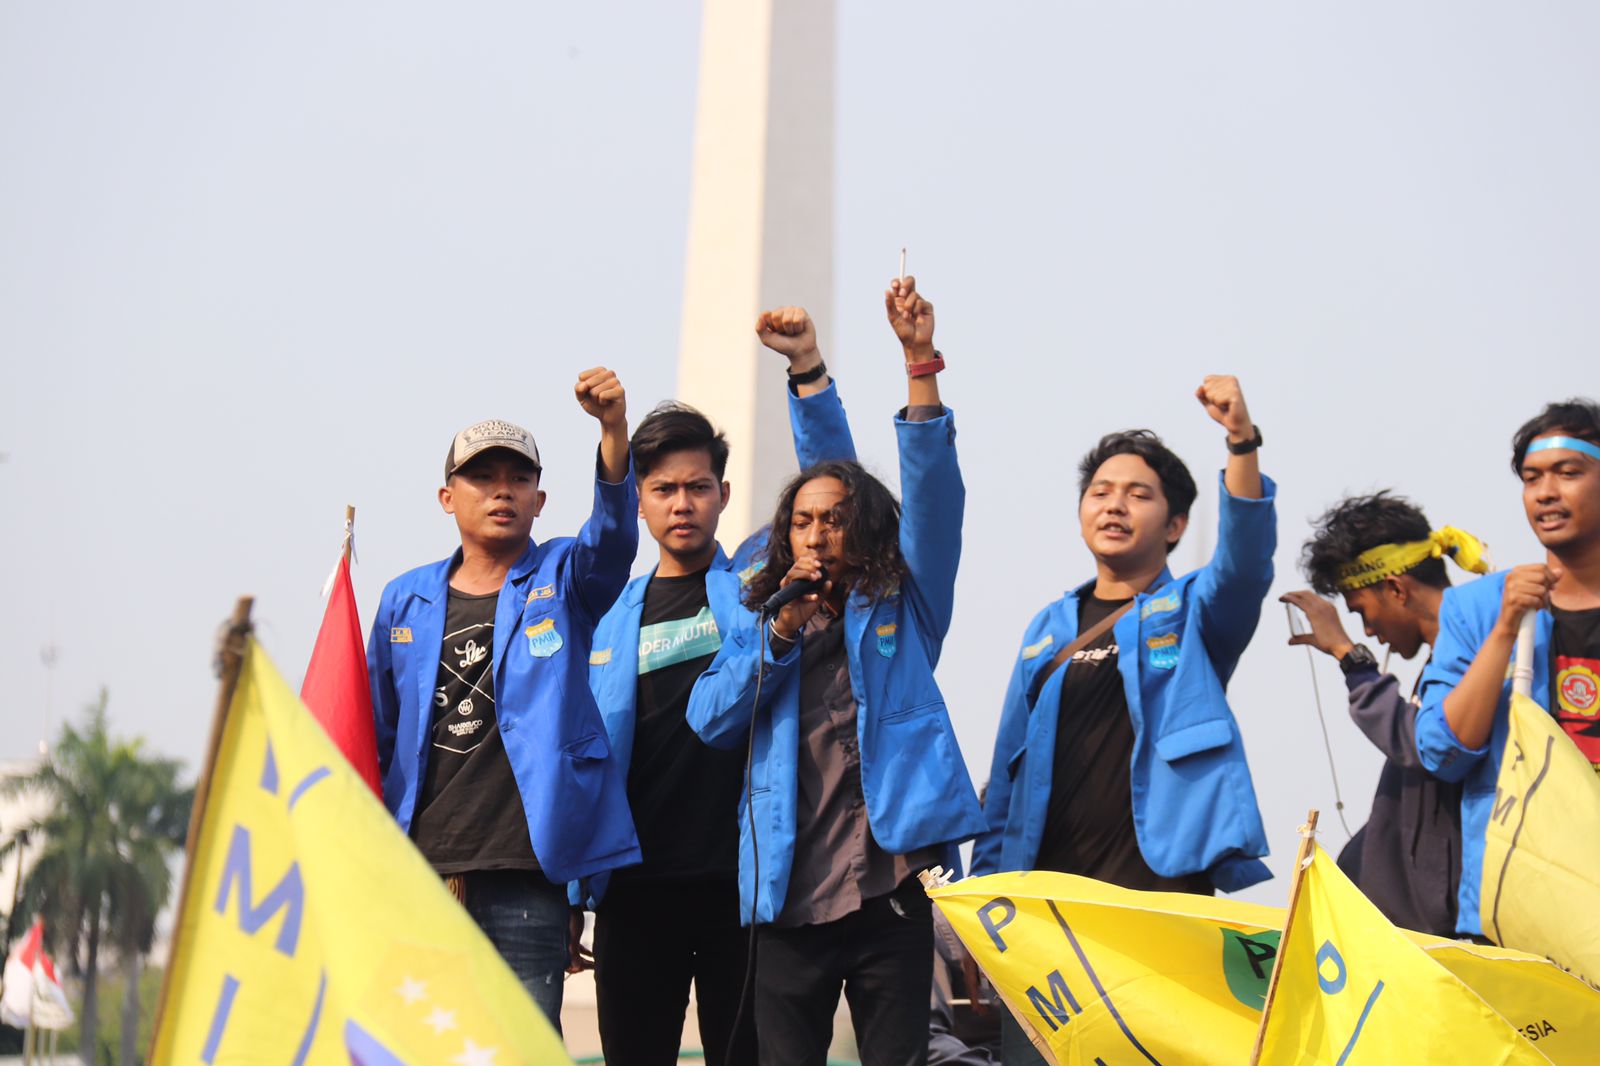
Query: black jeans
x=650, y=941
x=882, y=956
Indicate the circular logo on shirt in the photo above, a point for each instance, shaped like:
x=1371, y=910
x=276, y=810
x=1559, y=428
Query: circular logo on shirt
x=1580, y=690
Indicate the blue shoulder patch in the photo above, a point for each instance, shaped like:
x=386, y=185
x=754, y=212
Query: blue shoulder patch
x=1161, y=605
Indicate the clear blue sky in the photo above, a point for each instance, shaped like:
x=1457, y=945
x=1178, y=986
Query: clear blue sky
x=259, y=261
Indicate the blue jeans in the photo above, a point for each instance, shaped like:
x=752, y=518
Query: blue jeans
x=525, y=918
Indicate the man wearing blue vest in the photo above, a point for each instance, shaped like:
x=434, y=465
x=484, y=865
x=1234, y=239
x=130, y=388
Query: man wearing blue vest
x=1466, y=689
x=855, y=782
x=491, y=749
x=673, y=921
x=1117, y=756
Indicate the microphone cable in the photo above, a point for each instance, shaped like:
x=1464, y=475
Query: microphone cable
x=755, y=844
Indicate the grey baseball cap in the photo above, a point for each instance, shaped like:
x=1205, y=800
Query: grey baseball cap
x=491, y=433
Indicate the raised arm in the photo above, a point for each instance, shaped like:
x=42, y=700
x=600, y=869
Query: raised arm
x=1230, y=588
x=608, y=541
x=932, y=494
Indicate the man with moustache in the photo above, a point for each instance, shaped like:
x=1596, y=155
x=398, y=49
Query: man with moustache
x=673, y=920
x=1466, y=690
x=491, y=750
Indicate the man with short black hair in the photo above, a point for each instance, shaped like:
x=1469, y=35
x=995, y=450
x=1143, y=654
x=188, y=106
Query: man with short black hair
x=1466, y=690
x=674, y=919
x=491, y=749
x=1117, y=756
x=1380, y=553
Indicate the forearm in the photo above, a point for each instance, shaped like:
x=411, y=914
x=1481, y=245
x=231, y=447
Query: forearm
x=1469, y=708
x=1243, y=475
x=803, y=363
x=614, y=451
x=921, y=391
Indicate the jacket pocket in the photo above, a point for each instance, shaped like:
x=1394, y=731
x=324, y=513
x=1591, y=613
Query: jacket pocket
x=911, y=712
x=1191, y=740
x=589, y=747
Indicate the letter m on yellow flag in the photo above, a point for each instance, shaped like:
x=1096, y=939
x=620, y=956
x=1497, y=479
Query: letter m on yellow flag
x=1351, y=988
x=311, y=930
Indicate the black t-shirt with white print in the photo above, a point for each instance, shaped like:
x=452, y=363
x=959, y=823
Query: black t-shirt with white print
x=469, y=813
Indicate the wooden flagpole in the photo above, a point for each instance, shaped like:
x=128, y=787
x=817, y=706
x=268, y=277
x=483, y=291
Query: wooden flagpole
x=1308, y=842
x=230, y=660
x=349, y=529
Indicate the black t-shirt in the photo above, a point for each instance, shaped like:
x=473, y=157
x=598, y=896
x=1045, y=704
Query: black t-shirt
x=469, y=813
x=1088, y=826
x=1575, y=677
x=684, y=793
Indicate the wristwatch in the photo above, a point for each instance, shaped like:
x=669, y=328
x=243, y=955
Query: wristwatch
x=1358, y=658
x=923, y=369
x=806, y=377
x=1245, y=447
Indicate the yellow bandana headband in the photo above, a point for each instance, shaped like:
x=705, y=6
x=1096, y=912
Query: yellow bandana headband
x=1392, y=560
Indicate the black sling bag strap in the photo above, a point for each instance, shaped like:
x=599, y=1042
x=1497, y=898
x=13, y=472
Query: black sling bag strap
x=1083, y=641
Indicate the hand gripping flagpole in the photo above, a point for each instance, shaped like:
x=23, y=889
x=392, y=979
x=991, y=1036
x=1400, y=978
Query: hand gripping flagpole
x=231, y=645
x=1308, y=843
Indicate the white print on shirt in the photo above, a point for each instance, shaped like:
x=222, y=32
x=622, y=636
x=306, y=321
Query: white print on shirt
x=1094, y=655
x=468, y=663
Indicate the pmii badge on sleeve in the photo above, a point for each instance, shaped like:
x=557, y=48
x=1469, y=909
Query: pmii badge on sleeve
x=400, y=635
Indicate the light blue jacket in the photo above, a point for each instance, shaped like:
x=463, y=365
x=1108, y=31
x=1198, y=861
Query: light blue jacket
x=821, y=432
x=913, y=778
x=573, y=790
x=1194, y=806
x=1466, y=615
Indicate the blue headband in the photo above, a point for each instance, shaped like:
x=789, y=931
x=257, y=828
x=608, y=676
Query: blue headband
x=1569, y=443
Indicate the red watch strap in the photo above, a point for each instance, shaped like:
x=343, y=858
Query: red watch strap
x=922, y=370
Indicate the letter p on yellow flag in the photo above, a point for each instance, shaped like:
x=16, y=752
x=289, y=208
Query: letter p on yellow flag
x=1353, y=989
x=312, y=931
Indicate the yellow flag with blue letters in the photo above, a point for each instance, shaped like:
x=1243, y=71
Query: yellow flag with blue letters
x=313, y=931
x=1353, y=989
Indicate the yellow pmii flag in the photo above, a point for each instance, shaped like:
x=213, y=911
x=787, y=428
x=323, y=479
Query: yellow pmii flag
x=1097, y=973
x=1354, y=989
x=1541, y=865
x=312, y=931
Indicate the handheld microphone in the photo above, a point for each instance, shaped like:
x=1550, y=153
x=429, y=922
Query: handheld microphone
x=793, y=591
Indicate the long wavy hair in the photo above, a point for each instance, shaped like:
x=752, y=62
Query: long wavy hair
x=871, y=518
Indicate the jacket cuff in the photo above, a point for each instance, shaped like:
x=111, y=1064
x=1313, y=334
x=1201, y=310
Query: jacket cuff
x=1442, y=753
x=1237, y=872
x=1364, y=676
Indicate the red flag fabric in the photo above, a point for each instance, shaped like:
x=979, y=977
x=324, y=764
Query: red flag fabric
x=336, y=686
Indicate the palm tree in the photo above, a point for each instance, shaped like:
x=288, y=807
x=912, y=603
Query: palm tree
x=116, y=816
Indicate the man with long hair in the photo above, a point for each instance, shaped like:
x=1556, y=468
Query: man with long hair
x=855, y=781
x=1117, y=756
x=1380, y=553
x=1466, y=690
x=673, y=920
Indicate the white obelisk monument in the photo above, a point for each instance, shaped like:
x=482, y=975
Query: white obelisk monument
x=760, y=229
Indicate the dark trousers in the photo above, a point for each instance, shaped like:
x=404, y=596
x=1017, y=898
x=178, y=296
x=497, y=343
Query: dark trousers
x=525, y=918
x=650, y=941
x=882, y=956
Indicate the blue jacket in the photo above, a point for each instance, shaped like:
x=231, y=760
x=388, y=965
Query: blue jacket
x=914, y=780
x=1466, y=615
x=1194, y=807
x=821, y=432
x=573, y=791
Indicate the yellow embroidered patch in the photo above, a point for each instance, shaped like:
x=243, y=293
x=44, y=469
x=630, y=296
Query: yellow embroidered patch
x=886, y=631
x=542, y=627
x=600, y=658
x=1160, y=605
x=749, y=572
x=1032, y=650
x=400, y=635
x=543, y=592
x=1168, y=641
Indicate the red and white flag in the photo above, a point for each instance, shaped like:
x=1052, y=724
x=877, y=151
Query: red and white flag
x=336, y=686
x=33, y=995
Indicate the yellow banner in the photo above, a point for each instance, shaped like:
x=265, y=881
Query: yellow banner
x=1353, y=989
x=1096, y=972
x=313, y=931
x=1541, y=863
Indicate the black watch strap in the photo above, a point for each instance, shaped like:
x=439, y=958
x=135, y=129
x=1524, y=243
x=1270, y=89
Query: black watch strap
x=808, y=376
x=1358, y=658
x=1245, y=447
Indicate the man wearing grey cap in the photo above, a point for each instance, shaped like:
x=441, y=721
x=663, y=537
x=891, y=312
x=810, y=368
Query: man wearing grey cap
x=493, y=754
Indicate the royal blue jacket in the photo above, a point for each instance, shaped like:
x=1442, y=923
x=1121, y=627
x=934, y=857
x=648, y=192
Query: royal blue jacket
x=574, y=791
x=913, y=778
x=821, y=432
x=1194, y=806
x=1466, y=615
